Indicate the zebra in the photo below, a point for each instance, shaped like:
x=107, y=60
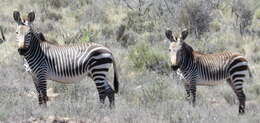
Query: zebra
x=64, y=64
x=207, y=69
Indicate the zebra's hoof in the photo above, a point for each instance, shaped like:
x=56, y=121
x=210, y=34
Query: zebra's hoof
x=241, y=110
x=241, y=113
x=43, y=105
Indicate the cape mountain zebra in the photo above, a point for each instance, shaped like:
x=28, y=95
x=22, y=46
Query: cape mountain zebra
x=207, y=69
x=65, y=64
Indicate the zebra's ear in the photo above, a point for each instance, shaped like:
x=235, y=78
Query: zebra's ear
x=168, y=34
x=17, y=17
x=184, y=34
x=31, y=17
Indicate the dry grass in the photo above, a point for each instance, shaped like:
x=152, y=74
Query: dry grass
x=144, y=96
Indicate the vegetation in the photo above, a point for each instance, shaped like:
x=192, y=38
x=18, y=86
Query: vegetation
x=144, y=57
x=134, y=31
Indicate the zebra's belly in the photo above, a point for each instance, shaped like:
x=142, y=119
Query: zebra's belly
x=202, y=82
x=67, y=80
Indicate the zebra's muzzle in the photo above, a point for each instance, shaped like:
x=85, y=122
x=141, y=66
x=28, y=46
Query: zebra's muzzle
x=174, y=67
x=22, y=51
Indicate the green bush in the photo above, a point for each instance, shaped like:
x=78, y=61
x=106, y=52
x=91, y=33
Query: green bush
x=85, y=37
x=144, y=56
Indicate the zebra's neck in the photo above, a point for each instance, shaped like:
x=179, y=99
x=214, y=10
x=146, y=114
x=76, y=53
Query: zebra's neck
x=35, y=54
x=185, y=57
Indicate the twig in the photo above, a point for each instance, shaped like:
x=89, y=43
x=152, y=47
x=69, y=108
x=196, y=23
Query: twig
x=127, y=4
x=168, y=8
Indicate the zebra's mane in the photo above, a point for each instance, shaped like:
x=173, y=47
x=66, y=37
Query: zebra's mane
x=41, y=37
x=187, y=49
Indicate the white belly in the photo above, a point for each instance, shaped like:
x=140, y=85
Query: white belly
x=209, y=83
x=67, y=80
x=202, y=82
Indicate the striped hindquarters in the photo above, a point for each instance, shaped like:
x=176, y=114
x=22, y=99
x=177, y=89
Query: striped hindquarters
x=99, y=62
x=238, y=70
x=238, y=67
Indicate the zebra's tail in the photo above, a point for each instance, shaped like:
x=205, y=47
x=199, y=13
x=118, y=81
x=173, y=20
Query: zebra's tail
x=116, y=83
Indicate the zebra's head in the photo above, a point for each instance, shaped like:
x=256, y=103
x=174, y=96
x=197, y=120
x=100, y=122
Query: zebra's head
x=176, y=47
x=24, y=31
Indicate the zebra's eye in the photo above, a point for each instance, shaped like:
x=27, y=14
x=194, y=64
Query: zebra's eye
x=169, y=50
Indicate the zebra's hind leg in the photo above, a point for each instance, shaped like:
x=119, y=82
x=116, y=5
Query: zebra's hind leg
x=237, y=87
x=105, y=90
x=111, y=97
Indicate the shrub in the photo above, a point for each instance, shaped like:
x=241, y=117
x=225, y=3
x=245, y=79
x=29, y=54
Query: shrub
x=215, y=26
x=107, y=31
x=120, y=32
x=144, y=56
x=85, y=36
x=71, y=39
x=125, y=38
x=195, y=16
x=139, y=23
x=244, y=15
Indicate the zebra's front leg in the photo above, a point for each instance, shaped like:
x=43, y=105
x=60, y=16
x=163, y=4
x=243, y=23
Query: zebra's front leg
x=187, y=89
x=41, y=85
x=193, y=92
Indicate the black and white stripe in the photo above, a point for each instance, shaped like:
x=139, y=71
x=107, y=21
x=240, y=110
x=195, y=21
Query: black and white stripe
x=208, y=69
x=68, y=64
